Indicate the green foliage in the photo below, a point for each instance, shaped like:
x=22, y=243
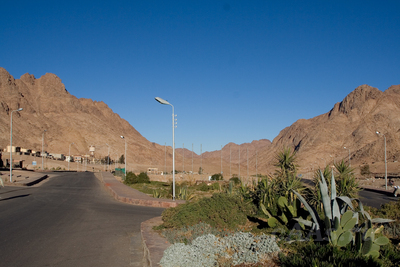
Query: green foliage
x=121, y=159
x=201, y=170
x=203, y=187
x=187, y=234
x=216, y=186
x=236, y=180
x=183, y=193
x=286, y=213
x=156, y=194
x=324, y=255
x=143, y=178
x=342, y=222
x=286, y=163
x=132, y=178
x=217, y=177
x=365, y=171
x=345, y=180
x=221, y=211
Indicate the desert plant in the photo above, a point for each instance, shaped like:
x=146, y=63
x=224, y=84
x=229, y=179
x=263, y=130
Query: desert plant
x=365, y=171
x=217, y=177
x=235, y=179
x=323, y=255
x=184, y=193
x=143, y=178
x=342, y=222
x=130, y=178
x=285, y=161
x=220, y=210
x=286, y=213
x=345, y=180
x=156, y=194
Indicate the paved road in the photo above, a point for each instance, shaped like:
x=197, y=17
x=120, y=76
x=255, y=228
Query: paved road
x=69, y=220
x=375, y=199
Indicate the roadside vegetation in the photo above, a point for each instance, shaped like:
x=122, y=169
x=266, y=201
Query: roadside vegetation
x=277, y=221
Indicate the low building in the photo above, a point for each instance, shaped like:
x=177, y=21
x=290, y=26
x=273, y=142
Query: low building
x=57, y=156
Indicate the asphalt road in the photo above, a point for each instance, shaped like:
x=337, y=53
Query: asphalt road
x=374, y=199
x=69, y=220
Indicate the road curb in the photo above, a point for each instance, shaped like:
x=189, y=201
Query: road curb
x=35, y=181
x=154, y=245
x=388, y=192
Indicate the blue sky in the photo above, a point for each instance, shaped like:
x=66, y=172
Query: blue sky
x=235, y=71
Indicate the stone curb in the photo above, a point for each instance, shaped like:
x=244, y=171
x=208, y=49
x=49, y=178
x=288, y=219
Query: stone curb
x=378, y=190
x=153, y=244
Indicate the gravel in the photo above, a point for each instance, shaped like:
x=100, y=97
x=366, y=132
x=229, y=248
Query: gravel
x=209, y=250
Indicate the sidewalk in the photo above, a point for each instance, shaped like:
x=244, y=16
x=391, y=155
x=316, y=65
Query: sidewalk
x=153, y=244
x=22, y=177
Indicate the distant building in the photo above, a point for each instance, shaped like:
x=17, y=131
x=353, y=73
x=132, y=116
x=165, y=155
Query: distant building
x=154, y=171
x=57, y=156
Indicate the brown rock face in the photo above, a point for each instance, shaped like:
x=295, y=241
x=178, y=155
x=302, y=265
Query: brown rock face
x=353, y=124
x=47, y=105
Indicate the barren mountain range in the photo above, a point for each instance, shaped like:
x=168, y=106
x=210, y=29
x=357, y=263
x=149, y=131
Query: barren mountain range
x=47, y=105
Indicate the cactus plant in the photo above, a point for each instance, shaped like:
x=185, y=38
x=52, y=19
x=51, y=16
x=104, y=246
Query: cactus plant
x=286, y=212
x=342, y=222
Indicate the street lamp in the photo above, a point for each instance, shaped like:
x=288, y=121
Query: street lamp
x=108, y=157
x=42, y=147
x=349, y=155
x=69, y=154
x=11, y=142
x=378, y=133
x=123, y=137
x=164, y=102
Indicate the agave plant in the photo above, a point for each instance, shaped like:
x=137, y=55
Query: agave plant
x=341, y=224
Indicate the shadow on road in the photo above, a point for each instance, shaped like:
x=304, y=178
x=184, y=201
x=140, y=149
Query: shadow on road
x=2, y=199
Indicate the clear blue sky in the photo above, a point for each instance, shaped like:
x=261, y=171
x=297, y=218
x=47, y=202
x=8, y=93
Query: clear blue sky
x=236, y=71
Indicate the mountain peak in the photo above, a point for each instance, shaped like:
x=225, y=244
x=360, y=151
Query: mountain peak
x=357, y=98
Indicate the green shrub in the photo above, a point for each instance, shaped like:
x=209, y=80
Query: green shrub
x=221, y=211
x=364, y=170
x=216, y=186
x=143, y=178
x=132, y=178
x=235, y=180
x=187, y=234
x=323, y=255
x=203, y=187
x=217, y=177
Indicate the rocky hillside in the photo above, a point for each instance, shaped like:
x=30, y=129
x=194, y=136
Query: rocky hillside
x=353, y=124
x=47, y=105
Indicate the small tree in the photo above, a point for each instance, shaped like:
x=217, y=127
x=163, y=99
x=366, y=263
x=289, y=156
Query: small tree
x=364, y=170
x=121, y=159
x=217, y=177
x=200, y=170
x=130, y=178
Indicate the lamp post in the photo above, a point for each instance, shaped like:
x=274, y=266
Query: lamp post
x=384, y=137
x=11, y=142
x=125, y=153
x=108, y=157
x=69, y=154
x=349, y=155
x=164, y=102
x=42, y=147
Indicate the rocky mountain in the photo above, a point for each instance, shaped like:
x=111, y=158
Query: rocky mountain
x=353, y=124
x=47, y=105
x=81, y=123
